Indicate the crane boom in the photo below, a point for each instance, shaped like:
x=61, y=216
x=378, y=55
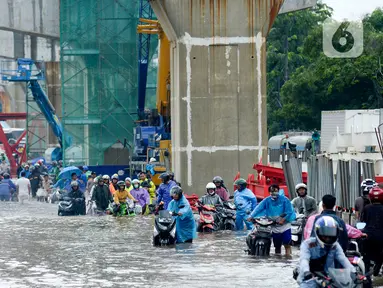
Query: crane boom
x=25, y=73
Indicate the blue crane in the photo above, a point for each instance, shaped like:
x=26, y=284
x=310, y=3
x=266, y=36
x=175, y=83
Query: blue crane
x=25, y=73
x=145, y=12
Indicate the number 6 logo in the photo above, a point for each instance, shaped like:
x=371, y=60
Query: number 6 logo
x=342, y=39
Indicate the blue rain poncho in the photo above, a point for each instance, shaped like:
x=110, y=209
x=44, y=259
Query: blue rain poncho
x=310, y=249
x=163, y=193
x=275, y=207
x=185, y=224
x=245, y=202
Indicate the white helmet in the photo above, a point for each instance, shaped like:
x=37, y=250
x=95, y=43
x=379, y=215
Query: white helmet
x=136, y=181
x=300, y=185
x=106, y=177
x=210, y=185
x=152, y=160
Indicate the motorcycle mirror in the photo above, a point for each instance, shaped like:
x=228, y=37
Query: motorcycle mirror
x=231, y=197
x=360, y=225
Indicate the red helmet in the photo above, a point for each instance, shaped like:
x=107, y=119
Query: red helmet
x=376, y=194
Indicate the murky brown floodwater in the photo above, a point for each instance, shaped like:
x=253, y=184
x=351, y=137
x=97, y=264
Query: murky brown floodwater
x=40, y=249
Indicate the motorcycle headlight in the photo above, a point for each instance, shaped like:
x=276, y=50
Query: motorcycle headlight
x=173, y=232
x=208, y=221
x=155, y=232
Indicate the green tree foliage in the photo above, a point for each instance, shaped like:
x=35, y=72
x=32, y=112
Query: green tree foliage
x=302, y=81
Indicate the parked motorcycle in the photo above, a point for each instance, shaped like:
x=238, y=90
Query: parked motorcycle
x=297, y=228
x=164, y=232
x=206, y=218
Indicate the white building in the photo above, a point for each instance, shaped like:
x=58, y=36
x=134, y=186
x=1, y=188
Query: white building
x=350, y=134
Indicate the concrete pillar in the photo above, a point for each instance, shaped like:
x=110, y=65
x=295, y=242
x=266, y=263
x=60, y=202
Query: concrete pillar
x=218, y=86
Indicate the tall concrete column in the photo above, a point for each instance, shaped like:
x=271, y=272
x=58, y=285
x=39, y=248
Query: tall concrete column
x=218, y=85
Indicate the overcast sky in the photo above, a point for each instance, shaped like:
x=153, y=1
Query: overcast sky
x=352, y=9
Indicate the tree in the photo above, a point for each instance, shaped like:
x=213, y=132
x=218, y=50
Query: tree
x=318, y=83
x=284, y=53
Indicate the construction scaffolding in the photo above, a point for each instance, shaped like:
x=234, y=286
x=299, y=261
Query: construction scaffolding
x=99, y=75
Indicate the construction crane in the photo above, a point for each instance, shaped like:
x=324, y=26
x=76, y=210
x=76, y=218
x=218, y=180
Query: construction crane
x=158, y=123
x=27, y=71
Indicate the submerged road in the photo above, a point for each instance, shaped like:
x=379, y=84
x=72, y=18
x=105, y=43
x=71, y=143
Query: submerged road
x=40, y=249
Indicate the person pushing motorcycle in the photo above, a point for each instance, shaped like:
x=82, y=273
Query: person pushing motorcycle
x=279, y=207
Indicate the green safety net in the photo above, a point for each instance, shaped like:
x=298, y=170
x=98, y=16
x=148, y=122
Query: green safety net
x=99, y=76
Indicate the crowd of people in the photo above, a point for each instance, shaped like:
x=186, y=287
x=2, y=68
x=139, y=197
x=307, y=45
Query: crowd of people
x=325, y=238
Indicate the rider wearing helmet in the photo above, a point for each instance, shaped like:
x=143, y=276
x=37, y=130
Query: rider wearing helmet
x=245, y=202
x=304, y=204
x=120, y=197
x=277, y=207
x=364, y=199
x=221, y=190
x=101, y=195
x=26, y=170
x=163, y=191
x=54, y=171
x=140, y=194
x=372, y=215
x=113, y=187
x=151, y=187
x=78, y=198
x=7, y=187
x=211, y=198
x=185, y=223
x=328, y=209
x=171, y=174
x=319, y=253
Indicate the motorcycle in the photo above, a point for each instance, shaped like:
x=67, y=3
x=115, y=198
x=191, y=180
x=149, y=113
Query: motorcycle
x=68, y=207
x=297, y=227
x=259, y=238
x=225, y=216
x=206, y=218
x=337, y=278
x=164, y=232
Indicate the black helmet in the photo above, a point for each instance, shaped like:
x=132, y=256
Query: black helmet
x=176, y=190
x=171, y=175
x=120, y=183
x=6, y=176
x=218, y=179
x=145, y=184
x=165, y=177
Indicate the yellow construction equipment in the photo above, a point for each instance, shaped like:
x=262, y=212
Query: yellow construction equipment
x=163, y=92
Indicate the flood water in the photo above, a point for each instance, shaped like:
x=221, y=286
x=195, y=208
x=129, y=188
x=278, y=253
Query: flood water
x=40, y=249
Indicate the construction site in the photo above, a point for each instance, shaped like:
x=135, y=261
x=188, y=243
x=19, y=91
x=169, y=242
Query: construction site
x=114, y=84
x=120, y=82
